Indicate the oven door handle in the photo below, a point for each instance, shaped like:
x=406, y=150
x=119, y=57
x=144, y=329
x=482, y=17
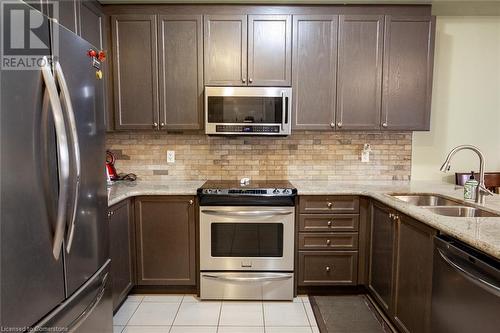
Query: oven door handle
x=247, y=213
x=262, y=278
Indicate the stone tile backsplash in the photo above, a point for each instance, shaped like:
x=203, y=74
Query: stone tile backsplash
x=302, y=155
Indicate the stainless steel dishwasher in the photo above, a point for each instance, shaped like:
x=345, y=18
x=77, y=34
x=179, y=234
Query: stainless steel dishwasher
x=466, y=289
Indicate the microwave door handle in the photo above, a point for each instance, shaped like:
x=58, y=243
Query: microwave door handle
x=52, y=97
x=76, y=151
x=283, y=111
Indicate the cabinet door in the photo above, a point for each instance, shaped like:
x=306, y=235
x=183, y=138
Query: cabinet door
x=314, y=71
x=66, y=12
x=225, y=44
x=165, y=229
x=122, y=250
x=382, y=255
x=181, y=76
x=91, y=23
x=269, y=50
x=414, y=259
x=359, y=78
x=135, y=72
x=408, y=64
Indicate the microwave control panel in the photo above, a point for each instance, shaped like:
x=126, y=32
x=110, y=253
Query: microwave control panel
x=247, y=129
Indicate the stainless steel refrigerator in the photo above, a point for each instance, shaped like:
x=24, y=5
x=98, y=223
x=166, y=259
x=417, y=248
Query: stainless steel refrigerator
x=54, y=239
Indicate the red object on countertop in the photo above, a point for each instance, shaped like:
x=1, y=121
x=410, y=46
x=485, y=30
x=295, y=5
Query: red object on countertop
x=110, y=165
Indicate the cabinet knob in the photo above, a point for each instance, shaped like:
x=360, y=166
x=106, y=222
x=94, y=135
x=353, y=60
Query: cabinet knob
x=162, y=124
x=330, y=205
x=109, y=214
x=250, y=80
x=384, y=125
x=332, y=125
x=191, y=202
x=328, y=269
x=155, y=125
x=329, y=223
x=243, y=80
x=339, y=124
x=328, y=242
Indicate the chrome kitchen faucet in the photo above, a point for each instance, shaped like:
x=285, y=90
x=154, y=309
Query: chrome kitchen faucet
x=482, y=191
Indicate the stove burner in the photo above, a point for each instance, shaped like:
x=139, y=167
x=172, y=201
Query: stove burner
x=280, y=193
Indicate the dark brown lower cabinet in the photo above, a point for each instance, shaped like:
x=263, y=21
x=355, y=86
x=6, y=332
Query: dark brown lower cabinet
x=328, y=268
x=166, y=236
x=413, y=276
x=400, y=277
x=383, y=234
x=122, y=250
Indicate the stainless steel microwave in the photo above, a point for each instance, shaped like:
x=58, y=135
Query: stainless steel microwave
x=248, y=110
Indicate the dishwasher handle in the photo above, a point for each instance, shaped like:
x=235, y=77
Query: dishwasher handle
x=470, y=272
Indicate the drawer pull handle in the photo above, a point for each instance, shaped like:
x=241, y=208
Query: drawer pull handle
x=328, y=242
x=328, y=269
x=329, y=223
x=330, y=205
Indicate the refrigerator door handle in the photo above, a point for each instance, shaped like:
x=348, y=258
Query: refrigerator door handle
x=51, y=100
x=65, y=95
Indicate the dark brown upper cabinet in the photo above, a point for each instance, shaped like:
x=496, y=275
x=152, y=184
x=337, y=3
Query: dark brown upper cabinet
x=407, y=75
x=122, y=250
x=269, y=50
x=359, y=77
x=181, y=72
x=135, y=73
x=382, y=253
x=67, y=13
x=314, y=71
x=245, y=50
x=225, y=45
x=413, y=275
x=166, y=236
x=91, y=23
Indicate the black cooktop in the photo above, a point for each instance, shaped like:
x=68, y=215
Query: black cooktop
x=253, y=184
x=260, y=192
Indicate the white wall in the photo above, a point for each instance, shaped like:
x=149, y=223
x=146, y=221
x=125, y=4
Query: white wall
x=466, y=97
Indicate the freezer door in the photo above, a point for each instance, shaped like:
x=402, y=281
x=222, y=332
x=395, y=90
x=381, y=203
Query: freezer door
x=32, y=279
x=88, y=310
x=86, y=247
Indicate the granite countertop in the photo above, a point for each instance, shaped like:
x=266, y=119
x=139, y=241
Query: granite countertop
x=482, y=233
x=124, y=189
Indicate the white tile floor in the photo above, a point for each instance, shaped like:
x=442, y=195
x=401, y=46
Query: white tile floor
x=187, y=314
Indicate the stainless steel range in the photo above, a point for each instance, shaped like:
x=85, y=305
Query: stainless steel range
x=247, y=240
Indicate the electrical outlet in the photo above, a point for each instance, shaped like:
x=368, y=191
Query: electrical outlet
x=365, y=153
x=170, y=156
x=365, y=156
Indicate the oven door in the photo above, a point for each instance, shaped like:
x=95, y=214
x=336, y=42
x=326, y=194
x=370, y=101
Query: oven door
x=246, y=238
x=248, y=110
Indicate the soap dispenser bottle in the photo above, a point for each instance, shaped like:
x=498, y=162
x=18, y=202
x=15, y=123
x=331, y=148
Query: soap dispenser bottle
x=470, y=187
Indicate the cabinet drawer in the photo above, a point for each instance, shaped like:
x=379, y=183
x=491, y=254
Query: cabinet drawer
x=328, y=268
x=328, y=241
x=328, y=204
x=314, y=222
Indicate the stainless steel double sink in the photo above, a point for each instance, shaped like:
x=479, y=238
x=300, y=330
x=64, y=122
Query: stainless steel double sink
x=443, y=206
